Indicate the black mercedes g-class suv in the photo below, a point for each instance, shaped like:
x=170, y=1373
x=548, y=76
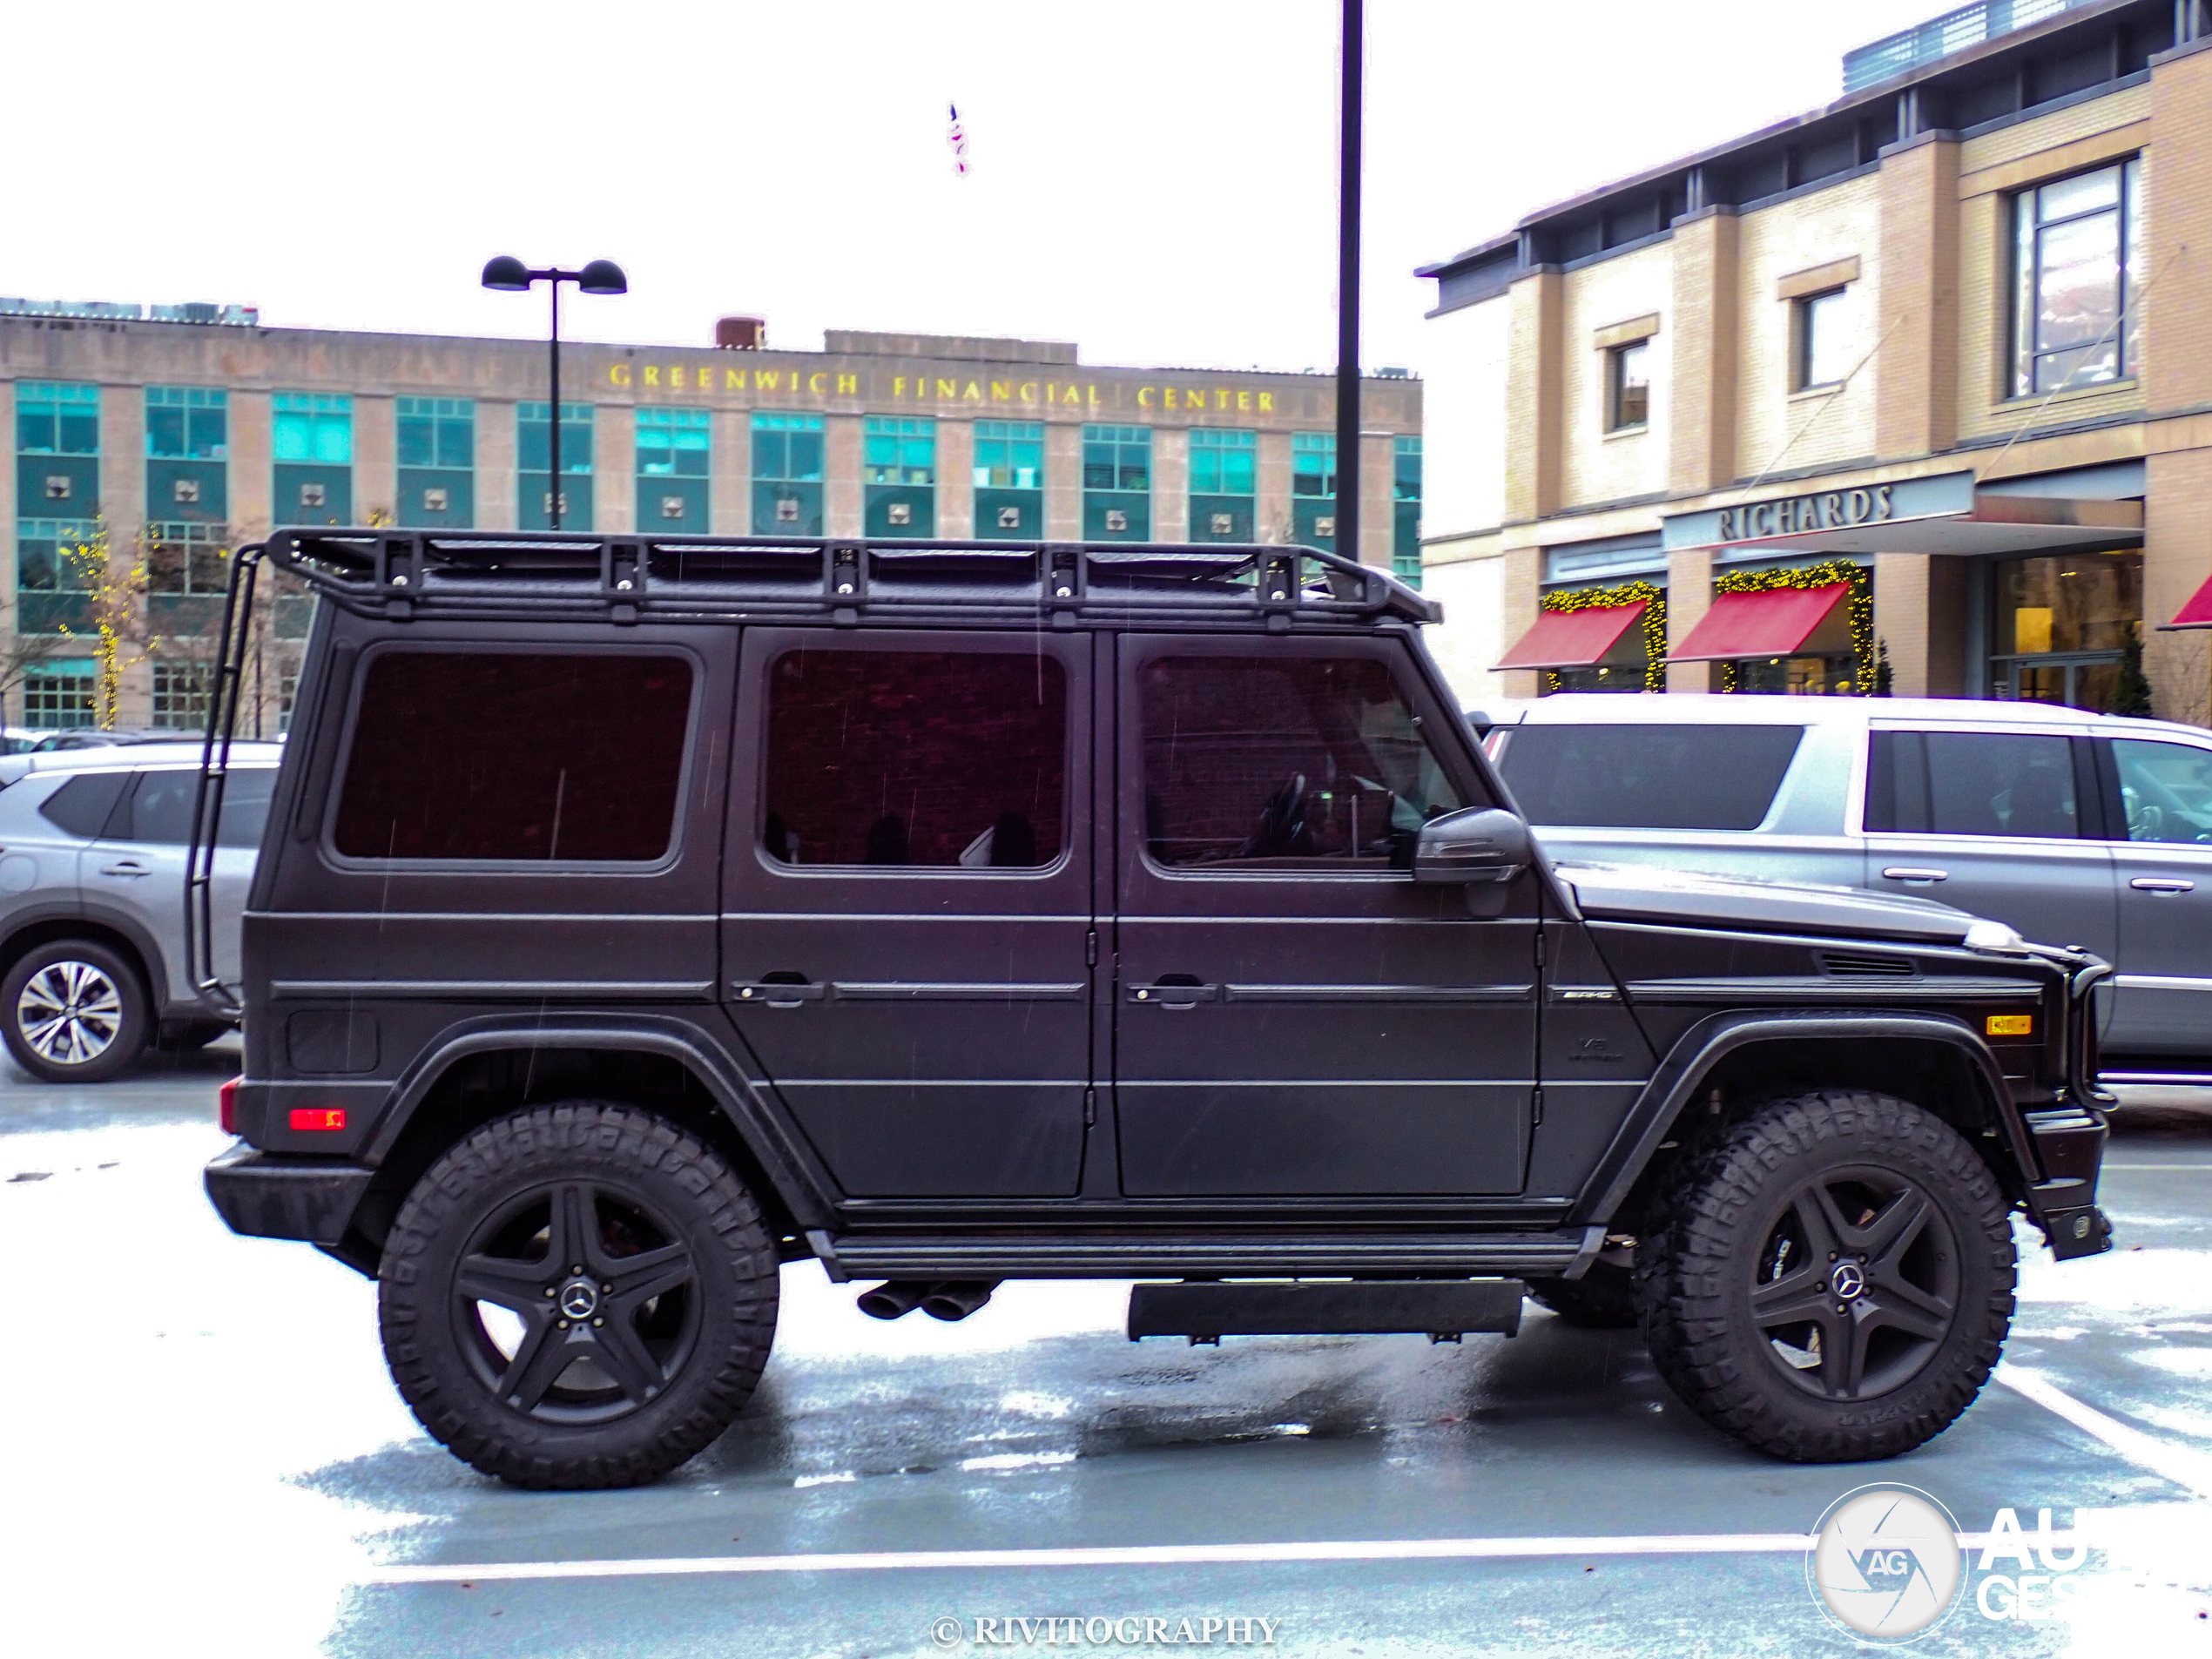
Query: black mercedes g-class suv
x=635, y=914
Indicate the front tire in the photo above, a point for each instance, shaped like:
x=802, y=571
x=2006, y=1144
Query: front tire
x=578, y=1296
x=1831, y=1279
x=73, y=1011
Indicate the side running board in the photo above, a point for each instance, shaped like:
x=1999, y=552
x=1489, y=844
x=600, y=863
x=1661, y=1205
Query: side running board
x=1564, y=1253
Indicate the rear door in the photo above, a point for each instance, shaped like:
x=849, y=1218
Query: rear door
x=2162, y=851
x=2004, y=822
x=906, y=926
x=137, y=863
x=1295, y=1015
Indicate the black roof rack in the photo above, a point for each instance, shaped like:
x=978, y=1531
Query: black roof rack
x=399, y=574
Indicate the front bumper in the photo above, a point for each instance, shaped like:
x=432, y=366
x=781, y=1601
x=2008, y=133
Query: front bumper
x=2070, y=1145
x=270, y=1194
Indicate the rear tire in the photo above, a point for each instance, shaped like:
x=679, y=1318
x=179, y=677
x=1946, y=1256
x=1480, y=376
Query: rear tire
x=1832, y=1278
x=554, y=1379
x=74, y=1011
x=1603, y=1299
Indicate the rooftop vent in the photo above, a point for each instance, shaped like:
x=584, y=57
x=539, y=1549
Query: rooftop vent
x=741, y=333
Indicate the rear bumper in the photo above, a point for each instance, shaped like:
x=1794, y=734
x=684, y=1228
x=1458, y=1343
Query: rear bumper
x=268, y=1195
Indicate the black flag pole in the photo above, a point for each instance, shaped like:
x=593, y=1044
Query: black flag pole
x=1346, y=540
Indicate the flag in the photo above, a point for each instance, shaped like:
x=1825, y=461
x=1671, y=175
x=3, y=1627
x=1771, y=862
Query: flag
x=957, y=139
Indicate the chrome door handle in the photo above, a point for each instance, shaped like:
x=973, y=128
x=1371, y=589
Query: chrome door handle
x=2161, y=884
x=1172, y=996
x=1909, y=873
x=125, y=868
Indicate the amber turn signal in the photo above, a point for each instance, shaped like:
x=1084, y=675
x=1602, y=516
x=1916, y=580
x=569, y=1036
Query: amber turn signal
x=2011, y=1025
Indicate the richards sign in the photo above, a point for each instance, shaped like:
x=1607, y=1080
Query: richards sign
x=1831, y=514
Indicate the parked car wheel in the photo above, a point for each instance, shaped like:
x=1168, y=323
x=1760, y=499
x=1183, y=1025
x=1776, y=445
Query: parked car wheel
x=73, y=1011
x=578, y=1296
x=1604, y=1298
x=1833, y=1279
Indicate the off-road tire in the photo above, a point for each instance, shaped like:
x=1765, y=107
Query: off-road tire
x=637, y=1156
x=1699, y=1262
x=1603, y=1299
x=133, y=1023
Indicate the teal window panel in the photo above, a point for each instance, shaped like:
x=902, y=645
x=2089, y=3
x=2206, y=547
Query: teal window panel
x=436, y=434
x=1406, y=469
x=313, y=426
x=1009, y=455
x=187, y=423
x=67, y=486
x=900, y=451
x=1221, y=518
x=892, y=511
x=1222, y=463
x=1009, y=514
x=1313, y=465
x=533, y=500
x=188, y=489
x=786, y=507
x=1116, y=516
x=1313, y=523
x=50, y=583
x=57, y=418
x=534, y=437
x=1117, y=457
x=786, y=447
x=59, y=694
x=439, y=498
x=1405, y=541
x=674, y=443
x=671, y=505
x=310, y=493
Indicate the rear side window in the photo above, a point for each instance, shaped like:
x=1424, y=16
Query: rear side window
x=934, y=760
x=1649, y=776
x=1971, y=783
x=81, y=806
x=1276, y=762
x=504, y=755
x=159, y=812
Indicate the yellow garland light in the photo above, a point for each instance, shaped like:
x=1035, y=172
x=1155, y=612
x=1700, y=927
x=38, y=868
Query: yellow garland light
x=1859, y=610
x=1627, y=593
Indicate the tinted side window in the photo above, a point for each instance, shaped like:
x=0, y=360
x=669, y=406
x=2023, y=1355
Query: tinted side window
x=2167, y=788
x=928, y=758
x=1649, y=776
x=1971, y=783
x=81, y=806
x=1258, y=761
x=159, y=811
x=504, y=755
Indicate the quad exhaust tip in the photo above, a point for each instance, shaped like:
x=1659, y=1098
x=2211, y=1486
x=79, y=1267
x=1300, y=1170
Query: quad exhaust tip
x=950, y=1300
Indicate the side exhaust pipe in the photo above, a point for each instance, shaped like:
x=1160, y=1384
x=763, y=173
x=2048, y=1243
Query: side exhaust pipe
x=893, y=1300
x=955, y=1298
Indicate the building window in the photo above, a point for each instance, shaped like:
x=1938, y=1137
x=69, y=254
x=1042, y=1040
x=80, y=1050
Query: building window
x=2077, y=273
x=437, y=457
x=1117, y=483
x=2063, y=626
x=534, y=457
x=53, y=580
x=288, y=698
x=1314, y=489
x=1406, y=510
x=187, y=566
x=1819, y=322
x=56, y=418
x=312, y=439
x=786, y=474
x=898, y=473
x=1628, y=387
x=187, y=423
x=1222, y=485
x=1010, y=481
x=57, y=471
x=674, y=459
x=180, y=696
x=58, y=695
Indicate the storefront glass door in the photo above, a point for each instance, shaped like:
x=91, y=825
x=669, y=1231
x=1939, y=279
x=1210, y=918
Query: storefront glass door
x=2060, y=624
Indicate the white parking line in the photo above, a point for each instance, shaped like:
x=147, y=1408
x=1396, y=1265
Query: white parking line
x=1384, y=1549
x=2184, y=1466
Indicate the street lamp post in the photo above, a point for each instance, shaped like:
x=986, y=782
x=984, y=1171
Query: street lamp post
x=510, y=275
x=1347, y=502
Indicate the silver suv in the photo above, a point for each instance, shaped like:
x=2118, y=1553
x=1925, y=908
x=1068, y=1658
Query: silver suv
x=2076, y=828
x=91, y=903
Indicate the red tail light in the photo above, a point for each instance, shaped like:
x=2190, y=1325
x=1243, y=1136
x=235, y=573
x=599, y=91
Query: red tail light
x=318, y=1118
x=226, y=1105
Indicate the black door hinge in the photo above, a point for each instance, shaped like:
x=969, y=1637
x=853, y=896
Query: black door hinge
x=1090, y=949
x=1090, y=1107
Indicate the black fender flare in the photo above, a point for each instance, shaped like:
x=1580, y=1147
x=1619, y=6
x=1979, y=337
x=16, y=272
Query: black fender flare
x=789, y=1166
x=1711, y=1040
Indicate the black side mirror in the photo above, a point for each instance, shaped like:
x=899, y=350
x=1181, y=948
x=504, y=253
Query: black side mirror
x=1481, y=844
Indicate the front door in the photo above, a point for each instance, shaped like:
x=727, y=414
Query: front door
x=906, y=920
x=2163, y=999
x=1294, y=1015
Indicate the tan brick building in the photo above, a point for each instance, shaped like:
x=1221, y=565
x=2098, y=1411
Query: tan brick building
x=1924, y=375
x=196, y=429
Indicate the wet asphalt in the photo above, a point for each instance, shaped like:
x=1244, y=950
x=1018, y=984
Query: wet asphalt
x=204, y=1452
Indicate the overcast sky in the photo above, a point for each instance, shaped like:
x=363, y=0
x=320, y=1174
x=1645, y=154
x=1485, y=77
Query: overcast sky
x=1156, y=181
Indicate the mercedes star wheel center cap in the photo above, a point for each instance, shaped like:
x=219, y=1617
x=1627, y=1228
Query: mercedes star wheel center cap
x=579, y=1299
x=1848, y=1281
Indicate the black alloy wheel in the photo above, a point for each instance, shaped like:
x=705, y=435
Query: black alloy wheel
x=1830, y=1278
x=578, y=1295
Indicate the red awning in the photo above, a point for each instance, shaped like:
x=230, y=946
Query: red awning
x=1572, y=638
x=1773, y=621
x=2197, y=613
